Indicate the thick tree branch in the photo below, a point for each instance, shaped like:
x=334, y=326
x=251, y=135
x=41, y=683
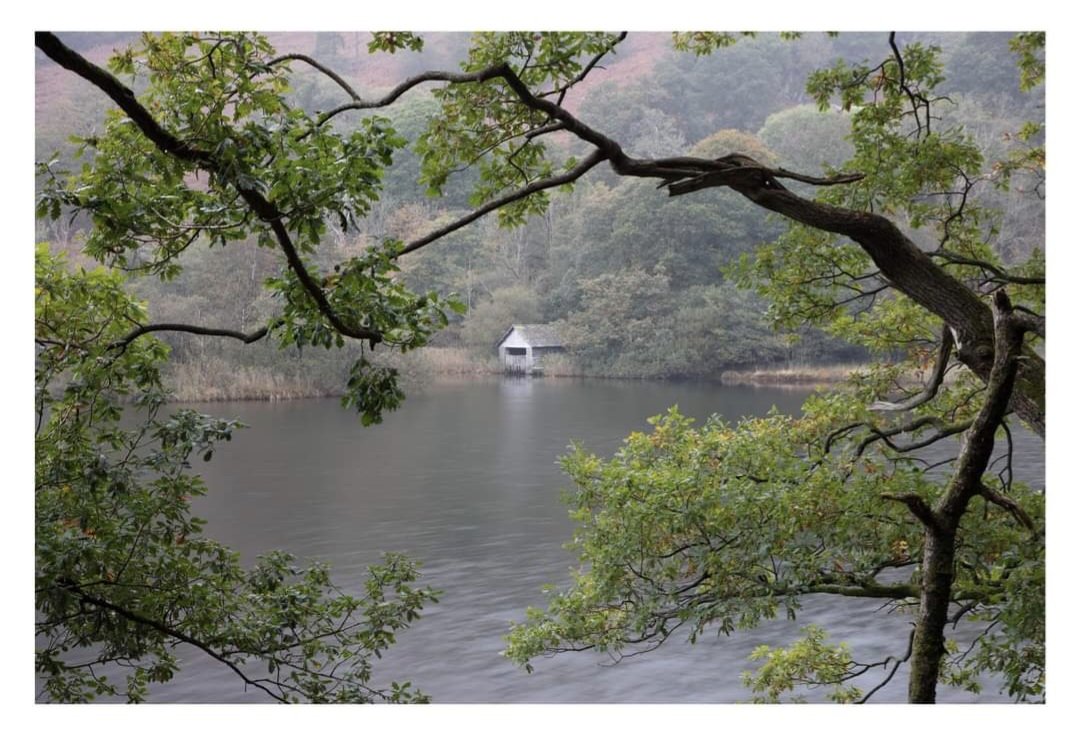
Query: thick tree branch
x=943, y=519
x=980, y=439
x=917, y=506
x=134, y=334
x=738, y=167
x=876, y=591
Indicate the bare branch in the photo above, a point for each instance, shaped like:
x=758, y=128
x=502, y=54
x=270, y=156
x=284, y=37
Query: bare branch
x=887, y=679
x=588, y=67
x=320, y=67
x=738, y=167
x=536, y=186
x=942, y=431
x=544, y=130
x=782, y=173
x=905, y=88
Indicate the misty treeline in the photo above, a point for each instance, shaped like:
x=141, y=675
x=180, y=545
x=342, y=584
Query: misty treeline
x=639, y=284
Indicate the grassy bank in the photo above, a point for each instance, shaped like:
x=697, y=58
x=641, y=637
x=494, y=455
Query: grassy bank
x=790, y=375
x=226, y=378
x=320, y=374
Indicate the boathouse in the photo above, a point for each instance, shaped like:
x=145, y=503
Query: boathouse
x=523, y=347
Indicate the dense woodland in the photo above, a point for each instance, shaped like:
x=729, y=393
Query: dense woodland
x=639, y=284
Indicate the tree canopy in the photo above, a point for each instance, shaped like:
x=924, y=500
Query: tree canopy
x=717, y=527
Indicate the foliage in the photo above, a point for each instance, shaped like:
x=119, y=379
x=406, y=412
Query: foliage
x=806, y=139
x=633, y=324
x=687, y=530
x=393, y=41
x=808, y=662
x=123, y=571
x=1030, y=49
x=489, y=320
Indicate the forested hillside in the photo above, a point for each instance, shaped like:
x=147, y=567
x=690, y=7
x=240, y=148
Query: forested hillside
x=639, y=284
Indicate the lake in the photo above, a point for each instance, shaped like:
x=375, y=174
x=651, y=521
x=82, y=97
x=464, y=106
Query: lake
x=464, y=478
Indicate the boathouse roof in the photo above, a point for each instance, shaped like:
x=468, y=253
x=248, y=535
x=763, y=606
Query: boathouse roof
x=536, y=335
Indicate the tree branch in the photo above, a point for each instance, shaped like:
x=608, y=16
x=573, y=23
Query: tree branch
x=395, y=93
x=917, y=506
x=942, y=431
x=980, y=440
x=134, y=334
x=588, y=68
x=324, y=69
x=1007, y=504
x=934, y=383
x=573, y=174
x=1000, y=275
x=877, y=591
x=899, y=662
x=905, y=88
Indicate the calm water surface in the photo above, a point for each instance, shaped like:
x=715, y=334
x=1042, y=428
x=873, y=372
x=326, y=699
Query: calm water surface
x=464, y=478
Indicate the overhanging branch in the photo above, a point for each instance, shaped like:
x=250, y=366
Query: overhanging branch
x=134, y=334
x=568, y=177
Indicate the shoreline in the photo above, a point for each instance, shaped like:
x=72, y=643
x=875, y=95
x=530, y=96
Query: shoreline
x=789, y=376
x=782, y=377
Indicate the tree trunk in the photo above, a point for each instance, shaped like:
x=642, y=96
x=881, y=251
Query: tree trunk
x=941, y=522
x=928, y=640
